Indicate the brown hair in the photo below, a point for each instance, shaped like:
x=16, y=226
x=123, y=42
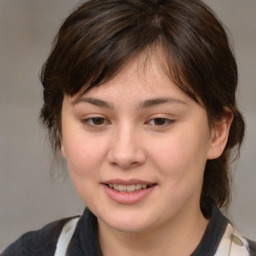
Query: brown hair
x=101, y=36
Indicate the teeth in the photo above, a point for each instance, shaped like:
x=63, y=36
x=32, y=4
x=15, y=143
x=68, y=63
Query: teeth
x=127, y=188
x=122, y=188
x=138, y=186
x=130, y=188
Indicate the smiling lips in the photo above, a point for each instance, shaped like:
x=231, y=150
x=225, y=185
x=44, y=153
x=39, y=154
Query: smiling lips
x=128, y=188
x=128, y=192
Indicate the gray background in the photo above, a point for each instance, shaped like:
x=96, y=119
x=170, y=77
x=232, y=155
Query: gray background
x=29, y=197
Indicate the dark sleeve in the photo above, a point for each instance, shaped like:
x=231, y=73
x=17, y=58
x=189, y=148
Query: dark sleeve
x=252, y=247
x=37, y=243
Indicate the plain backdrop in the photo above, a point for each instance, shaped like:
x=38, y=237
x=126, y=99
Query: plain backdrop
x=29, y=197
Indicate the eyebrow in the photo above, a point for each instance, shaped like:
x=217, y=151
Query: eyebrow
x=158, y=101
x=145, y=104
x=93, y=101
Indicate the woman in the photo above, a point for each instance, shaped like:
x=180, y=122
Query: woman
x=139, y=97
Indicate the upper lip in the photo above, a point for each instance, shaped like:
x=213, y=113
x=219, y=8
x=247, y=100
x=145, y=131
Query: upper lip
x=128, y=182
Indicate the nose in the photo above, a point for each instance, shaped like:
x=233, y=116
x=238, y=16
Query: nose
x=126, y=150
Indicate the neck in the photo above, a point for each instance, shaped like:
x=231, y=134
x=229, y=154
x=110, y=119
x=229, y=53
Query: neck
x=179, y=237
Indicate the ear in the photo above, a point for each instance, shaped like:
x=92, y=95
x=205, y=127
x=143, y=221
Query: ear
x=219, y=135
x=62, y=149
x=61, y=145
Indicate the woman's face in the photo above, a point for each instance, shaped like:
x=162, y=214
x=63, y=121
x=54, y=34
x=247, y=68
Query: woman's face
x=136, y=149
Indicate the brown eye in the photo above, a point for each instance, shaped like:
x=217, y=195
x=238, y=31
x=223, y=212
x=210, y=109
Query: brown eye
x=95, y=121
x=160, y=121
x=98, y=120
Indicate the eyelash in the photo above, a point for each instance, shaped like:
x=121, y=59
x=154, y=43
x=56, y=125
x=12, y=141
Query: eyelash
x=92, y=122
x=166, y=121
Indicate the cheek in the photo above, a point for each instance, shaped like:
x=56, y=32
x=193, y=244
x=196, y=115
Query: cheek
x=83, y=159
x=183, y=154
x=78, y=156
x=83, y=153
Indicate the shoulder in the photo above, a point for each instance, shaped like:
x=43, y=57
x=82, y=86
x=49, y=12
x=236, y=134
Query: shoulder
x=236, y=244
x=241, y=244
x=252, y=247
x=37, y=243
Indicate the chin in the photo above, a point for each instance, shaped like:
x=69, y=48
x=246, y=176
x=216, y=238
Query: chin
x=128, y=223
x=130, y=227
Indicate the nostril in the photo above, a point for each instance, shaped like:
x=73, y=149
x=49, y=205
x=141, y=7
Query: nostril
x=125, y=155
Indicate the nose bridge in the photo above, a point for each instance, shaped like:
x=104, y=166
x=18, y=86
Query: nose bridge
x=126, y=150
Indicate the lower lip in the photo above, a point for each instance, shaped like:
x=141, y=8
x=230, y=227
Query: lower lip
x=128, y=198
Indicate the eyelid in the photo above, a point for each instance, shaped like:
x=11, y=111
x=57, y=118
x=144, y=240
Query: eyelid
x=88, y=122
x=168, y=121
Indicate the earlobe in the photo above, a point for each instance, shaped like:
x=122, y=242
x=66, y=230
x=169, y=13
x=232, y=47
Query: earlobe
x=62, y=149
x=61, y=145
x=219, y=135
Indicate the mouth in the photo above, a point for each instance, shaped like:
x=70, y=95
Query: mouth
x=129, y=188
x=128, y=191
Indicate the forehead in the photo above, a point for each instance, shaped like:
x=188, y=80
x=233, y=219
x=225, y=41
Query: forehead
x=147, y=74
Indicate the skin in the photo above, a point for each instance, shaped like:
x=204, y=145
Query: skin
x=116, y=131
